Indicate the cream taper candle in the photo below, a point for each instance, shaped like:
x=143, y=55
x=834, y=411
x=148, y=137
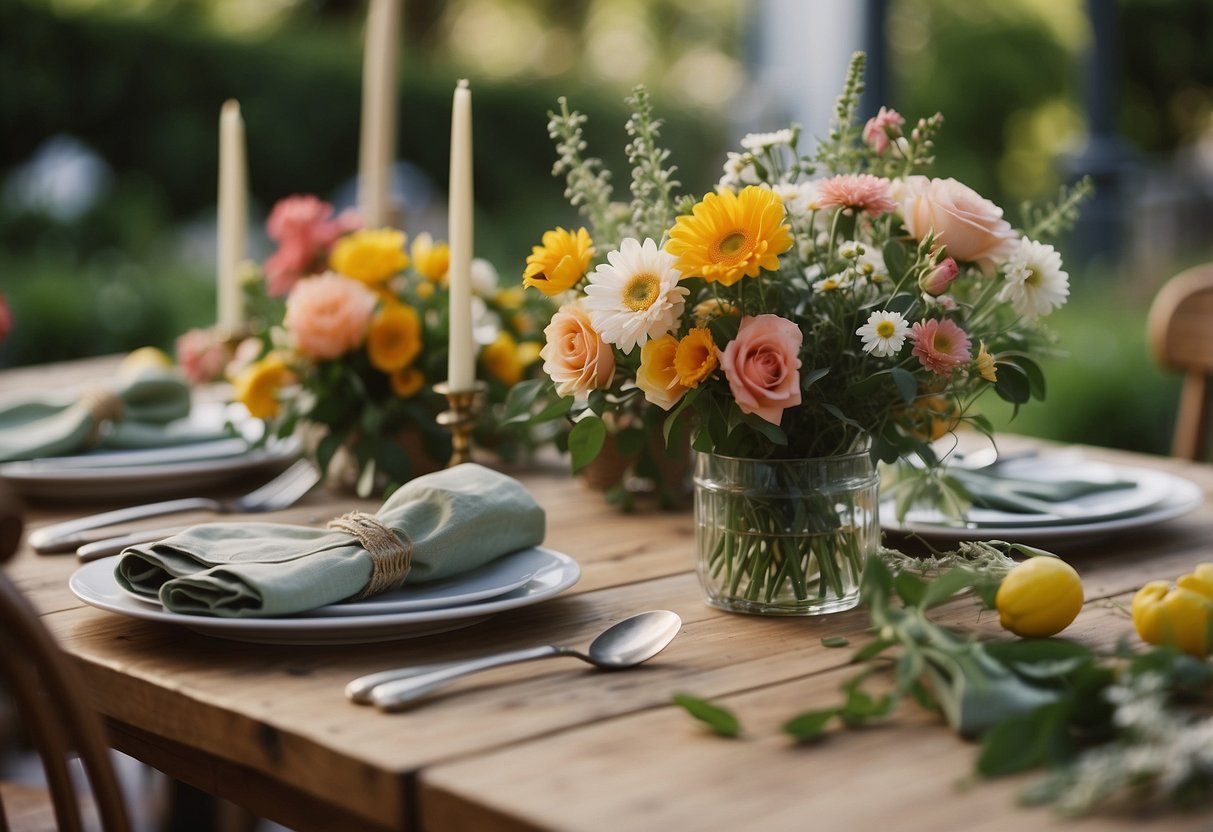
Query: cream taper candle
x=461, y=366
x=378, y=138
x=233, y=217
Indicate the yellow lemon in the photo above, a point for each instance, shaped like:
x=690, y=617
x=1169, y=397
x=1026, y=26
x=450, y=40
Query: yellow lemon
x=1039, y=597
x=142, y=359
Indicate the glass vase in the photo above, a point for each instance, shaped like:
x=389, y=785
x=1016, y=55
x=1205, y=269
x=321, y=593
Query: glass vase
x=785, y=536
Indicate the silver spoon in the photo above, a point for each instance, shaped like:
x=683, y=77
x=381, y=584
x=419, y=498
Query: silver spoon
x=620, y=646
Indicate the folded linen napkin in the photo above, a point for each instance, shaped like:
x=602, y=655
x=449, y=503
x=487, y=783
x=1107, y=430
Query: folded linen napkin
x=989, y=489
x=448, y=522
x=141, y=410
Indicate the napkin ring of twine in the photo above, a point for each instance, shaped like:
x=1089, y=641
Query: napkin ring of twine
x=103, y=406
x=390, y=556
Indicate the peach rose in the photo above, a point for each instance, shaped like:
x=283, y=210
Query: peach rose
x=969, y=225
x=762, y=366
x=575, y=356
x=327, y=316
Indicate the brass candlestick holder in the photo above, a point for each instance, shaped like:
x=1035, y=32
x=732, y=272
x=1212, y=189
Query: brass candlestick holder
x=464, y=410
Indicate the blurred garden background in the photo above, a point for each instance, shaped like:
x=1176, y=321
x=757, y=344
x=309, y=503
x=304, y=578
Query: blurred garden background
x=108, y=162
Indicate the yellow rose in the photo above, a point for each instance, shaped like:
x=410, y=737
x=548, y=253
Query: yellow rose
x=430, y=260
x=657, y=376
x=257, y=387
x=985, y=364
x=394, y=339
x=372, y=256
x=501, y=360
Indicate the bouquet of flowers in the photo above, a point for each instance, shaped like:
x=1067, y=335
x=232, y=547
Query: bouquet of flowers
x=809, y=306
x=350, y=332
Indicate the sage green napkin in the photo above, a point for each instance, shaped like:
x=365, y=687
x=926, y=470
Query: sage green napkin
x=988, y=489
x=456, y=519
x=143, y=410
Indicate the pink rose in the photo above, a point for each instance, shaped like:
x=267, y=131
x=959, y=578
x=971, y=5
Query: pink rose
x=575, y=356
x=6, y=318
x=937, y=280
x=327, y=316
x=969, y=225
x=762, y=365
x=202, y=355
x=883, y=127
x=305, y=229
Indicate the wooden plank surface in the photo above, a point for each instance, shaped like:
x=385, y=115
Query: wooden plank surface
x=557, y=745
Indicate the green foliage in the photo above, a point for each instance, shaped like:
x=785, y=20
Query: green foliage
x=720, y=720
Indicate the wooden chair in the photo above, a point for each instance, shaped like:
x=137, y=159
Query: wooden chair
x=46, y=691
x=1180, y=333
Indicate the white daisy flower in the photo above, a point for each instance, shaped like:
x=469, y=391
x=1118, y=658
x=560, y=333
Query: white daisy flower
x=1036, y=284
x=635, y=295
x=884, y=333
x=483, y=277
x=759, y=141
x=833, y=283
x=738, y=170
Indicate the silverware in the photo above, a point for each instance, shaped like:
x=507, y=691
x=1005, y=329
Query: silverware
x=625, y=644
x=107, y=546
x=280, y=492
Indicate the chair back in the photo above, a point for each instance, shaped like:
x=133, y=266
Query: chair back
x=46, y=692
x=1179, y=331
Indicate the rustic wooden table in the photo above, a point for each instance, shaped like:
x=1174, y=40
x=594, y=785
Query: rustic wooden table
x=556, y=745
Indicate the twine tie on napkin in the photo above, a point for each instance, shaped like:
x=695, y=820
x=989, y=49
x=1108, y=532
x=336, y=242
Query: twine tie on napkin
x=390, y=556
x=103, y=405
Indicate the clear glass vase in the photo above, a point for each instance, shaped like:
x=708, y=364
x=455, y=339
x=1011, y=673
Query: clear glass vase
x=785, y=536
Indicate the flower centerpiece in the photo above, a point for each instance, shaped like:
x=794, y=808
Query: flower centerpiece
x=350, y=332
x=810, y=315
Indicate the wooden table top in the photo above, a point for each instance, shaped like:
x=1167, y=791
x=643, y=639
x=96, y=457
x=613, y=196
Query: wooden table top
x=557, y=745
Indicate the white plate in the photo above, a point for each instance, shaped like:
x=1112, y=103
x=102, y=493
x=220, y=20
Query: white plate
x=152, y=472
x=94, y=584
x=1150, y=488
x=489, y=581
x=1185, y=496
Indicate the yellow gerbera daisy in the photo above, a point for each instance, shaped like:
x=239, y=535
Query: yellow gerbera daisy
x=394, y=338
x=257, y=387
x=430, y=260
x=729, y=235
x=407, y=382
x=985, y=364
x=372, y=256
x=695, y=358
x=560, y=262
x=501, y=360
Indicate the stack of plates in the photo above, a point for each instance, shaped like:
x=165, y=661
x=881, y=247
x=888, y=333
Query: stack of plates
x=155, y=472
x=1151, y=497
x=520, y=579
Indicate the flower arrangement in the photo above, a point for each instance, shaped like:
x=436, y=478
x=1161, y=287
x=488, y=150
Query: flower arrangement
x=811, y=305
x=350, y=332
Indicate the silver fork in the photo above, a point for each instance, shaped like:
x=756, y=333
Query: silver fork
x=280, y=492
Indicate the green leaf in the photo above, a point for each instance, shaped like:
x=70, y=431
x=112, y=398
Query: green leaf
x=720, y=720
x=947, y=585
x=326, y=448
x=1012, y=384
x=871, y=650
x=668, y=426
x=394, y=461
x=895, y=260
x=835, y=641
x=521, y=396
x=906, y=384
x=909, y=588
x=585, y=441
x=772, y=433
x=815, y=375
x=1026, y=741
x=629, y=441
x=809, y=726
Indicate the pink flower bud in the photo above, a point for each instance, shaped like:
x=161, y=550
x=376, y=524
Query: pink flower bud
x=883, y=127
x=937, y=281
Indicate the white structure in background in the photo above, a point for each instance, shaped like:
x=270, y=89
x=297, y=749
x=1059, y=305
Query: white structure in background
x=797, y=55
x=63, y=179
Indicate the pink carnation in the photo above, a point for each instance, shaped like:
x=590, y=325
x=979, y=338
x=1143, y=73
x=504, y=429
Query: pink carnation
x=762, y=365
x=941, y=346
x=305, y=229
x=883, y=127
x=861, y=192
x=202, y=355
x=327, y=316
